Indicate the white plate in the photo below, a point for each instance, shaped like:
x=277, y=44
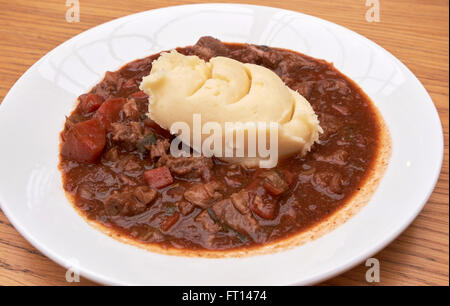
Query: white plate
x=32, y=115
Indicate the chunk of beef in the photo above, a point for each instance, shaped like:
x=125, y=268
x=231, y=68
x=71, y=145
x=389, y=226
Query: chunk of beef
x=111, y=78
x=127, y=180
x=338, y=157
x=241, y=200
x=129, y=164
x=233, y=182
x=84, y=191
x=137, y=67
x=234, y=175
x=185, y=207
x=303, y=88
x=292, y=65
x=332, y=85
x=149, y=123
x=175, y=193
x=207, y=222
x=214, y=189
x=89, y=103
x=244, y=224
x=198, y=195
x=146, y=143
x=274, y=182
x=159, y=149
x=203, y=195
x=111, y=155
x=145, y=194
x=188, y=167
x=131, y=110
x=108, y=87
x=245, y=55
x=261, y=55
x=267, y=210
x=140, y=97
x=128, y=87
x=245, y=201
x=129, y=202
x=235, y=170
x=207, y=47
x=329, y=183
x=127, y=133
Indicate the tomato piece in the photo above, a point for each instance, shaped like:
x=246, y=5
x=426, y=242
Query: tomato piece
x=109, y=111
x=90, y=103
x=158, y=177
x=84, y=142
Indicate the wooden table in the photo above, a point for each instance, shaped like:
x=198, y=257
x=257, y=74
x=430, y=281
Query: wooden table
x=414, y=31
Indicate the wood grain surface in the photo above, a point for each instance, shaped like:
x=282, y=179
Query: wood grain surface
x=415, y=31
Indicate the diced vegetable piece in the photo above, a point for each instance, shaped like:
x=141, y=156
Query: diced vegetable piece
x=109, y=111
x=111, y=77
x=169, y=221
x=241, y=201
x=229, y=217
x=90, y=103
x=131, y=110
x=145, y=194
x=265, y=210
x=272, y=189
x=128, y=87
x=139, y=96
x=274, y=182
x=84, y=142
x=185, y=207
x=158, y=177
x=129, y=83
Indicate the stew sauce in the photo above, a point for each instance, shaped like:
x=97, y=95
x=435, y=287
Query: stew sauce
x=117, y=168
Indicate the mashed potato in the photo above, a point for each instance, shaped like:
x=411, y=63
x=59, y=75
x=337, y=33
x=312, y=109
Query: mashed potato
x=225, y=90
